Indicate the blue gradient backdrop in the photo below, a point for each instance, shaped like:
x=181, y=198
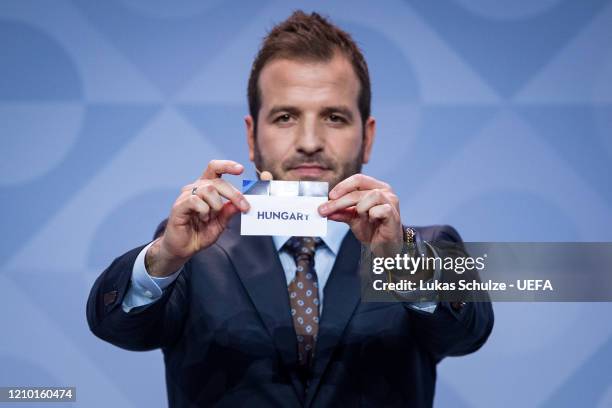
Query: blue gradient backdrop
x=494, y=116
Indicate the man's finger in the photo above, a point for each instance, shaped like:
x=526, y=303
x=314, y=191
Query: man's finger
x=382, y=212
x=216, y=168
x=231, y=193
x=345, y=201
x=356, y=182
x=186, y=206
x=346, y=215
x=226, y=213
x=210, y=195
x=370, y=199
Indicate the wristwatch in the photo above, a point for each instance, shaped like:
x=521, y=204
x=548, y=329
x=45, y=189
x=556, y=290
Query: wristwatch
x=409, y=235
x=410, y=241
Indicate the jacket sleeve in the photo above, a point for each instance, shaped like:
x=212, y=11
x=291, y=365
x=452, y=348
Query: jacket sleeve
x=458, y=329
x=158, y=324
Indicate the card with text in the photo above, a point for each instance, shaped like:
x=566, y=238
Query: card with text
x=284, y=208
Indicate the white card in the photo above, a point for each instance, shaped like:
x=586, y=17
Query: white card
x=287, y=208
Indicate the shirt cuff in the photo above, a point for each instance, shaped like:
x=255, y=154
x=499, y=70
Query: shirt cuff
x=144, y=288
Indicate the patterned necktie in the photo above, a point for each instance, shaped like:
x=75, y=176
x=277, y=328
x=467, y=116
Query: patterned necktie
x=304, y=296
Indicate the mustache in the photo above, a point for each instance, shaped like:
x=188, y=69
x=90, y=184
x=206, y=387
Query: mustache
x=319, y=160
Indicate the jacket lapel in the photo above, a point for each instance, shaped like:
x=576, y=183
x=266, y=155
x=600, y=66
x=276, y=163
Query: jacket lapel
x=341, y=295
x=259, y=268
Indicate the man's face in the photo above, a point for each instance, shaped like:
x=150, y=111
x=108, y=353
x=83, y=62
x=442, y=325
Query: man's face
x=309, y=126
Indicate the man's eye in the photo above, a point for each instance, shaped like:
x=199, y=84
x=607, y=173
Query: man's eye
x=336, y=118
x=283, y=118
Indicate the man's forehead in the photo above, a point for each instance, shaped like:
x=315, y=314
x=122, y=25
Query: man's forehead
x=290, y=78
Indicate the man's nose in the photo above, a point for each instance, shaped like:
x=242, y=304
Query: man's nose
x=310, y=139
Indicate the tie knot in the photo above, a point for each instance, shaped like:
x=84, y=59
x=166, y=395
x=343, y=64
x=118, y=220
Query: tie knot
x=302, y=248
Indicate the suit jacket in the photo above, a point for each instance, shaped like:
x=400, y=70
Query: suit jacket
x=225, y=329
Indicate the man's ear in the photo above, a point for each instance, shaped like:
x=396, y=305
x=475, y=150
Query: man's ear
x=250, y=134
x=368, y=138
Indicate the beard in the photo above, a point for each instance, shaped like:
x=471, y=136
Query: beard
x=339, y=171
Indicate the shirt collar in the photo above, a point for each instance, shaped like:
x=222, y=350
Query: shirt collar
x=335, y=234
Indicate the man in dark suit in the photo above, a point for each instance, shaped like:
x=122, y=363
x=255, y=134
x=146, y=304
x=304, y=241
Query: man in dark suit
x=279, y=321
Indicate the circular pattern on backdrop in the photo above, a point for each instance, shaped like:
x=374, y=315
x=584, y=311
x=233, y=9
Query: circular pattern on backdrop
x=164, y=9
x=131, y=223
x=36, y=137
x=524, y=335
x=41, y=107
x=508, y=10
x=392, y=76
x=19, y=371
x=606, y=398
x=505, y=216
x=602, y=113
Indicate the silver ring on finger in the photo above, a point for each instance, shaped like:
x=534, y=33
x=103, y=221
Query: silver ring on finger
x=193, y=190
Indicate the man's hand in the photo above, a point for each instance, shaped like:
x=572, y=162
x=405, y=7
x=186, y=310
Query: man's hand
x=369, y=206
x=197, y=218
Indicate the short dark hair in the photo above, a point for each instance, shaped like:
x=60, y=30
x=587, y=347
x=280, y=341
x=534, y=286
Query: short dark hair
x=309, y=37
